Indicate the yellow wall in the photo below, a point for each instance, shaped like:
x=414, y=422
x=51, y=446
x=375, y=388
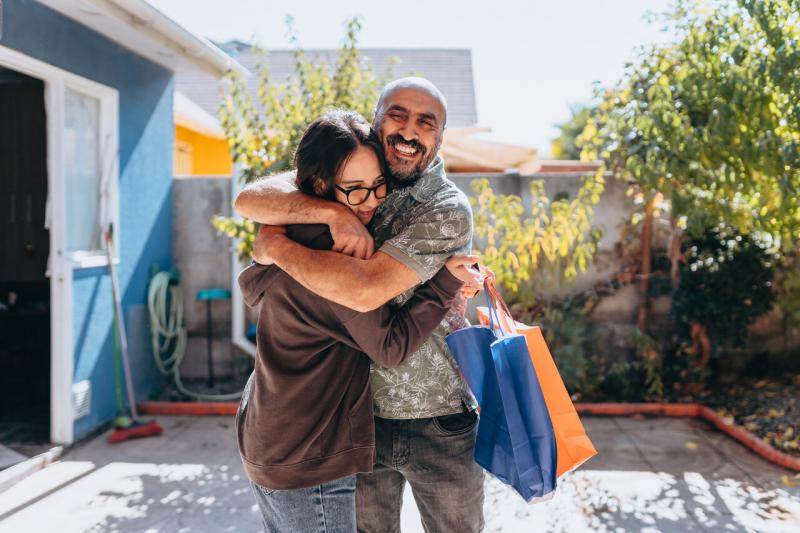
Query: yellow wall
x=209, y=156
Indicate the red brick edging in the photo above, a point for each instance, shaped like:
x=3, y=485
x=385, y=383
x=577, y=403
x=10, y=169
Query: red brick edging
x=188, y=408
x=608, y=409
x=698, y=411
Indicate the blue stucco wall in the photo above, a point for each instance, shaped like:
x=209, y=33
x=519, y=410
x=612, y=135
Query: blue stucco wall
x=145, y=161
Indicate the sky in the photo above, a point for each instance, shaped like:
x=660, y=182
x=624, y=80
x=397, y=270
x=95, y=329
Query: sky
x=531, y=59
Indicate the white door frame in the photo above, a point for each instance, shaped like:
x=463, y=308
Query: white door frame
x=61, y=263
x=240, y=339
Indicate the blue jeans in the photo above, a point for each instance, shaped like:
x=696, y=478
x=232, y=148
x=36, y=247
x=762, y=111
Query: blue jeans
x=326, y=508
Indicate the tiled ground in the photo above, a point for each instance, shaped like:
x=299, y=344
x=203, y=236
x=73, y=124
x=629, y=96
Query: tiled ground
x=659, y=474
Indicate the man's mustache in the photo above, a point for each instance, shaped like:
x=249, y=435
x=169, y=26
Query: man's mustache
x=397, y=139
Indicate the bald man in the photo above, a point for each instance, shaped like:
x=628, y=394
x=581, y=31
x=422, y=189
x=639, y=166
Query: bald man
x=425, y=416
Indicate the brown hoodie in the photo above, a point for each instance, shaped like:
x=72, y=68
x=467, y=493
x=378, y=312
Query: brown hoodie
x=306, y=414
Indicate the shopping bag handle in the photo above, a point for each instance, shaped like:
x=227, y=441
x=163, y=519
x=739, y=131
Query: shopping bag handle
x=490, y=306
x=496, y=303
x=499, y=315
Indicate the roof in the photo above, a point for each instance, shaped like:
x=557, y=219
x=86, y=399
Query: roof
x=449, y=69
x=148, y=32
x=464, y=151
x=191, y=116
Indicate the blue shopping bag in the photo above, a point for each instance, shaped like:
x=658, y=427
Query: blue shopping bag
x=515, y=442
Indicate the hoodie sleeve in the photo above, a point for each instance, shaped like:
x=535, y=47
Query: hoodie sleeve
x=252, y=282
x=389, y=334
x=254, y=279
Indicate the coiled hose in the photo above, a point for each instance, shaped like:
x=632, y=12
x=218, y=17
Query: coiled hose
x=168, y=333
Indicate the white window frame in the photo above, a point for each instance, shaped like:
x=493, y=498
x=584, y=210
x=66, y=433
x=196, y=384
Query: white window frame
x=109, y=163
x=61, y=264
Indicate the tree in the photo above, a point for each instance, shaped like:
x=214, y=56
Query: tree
x=724, y=287
x=564, y=146
x=710, y=123
x=264, y=134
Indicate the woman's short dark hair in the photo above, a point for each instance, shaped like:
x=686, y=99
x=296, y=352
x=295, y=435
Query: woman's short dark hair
x=326, y=146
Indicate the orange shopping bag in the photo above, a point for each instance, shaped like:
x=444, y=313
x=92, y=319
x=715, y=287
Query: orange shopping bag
x=572, y=444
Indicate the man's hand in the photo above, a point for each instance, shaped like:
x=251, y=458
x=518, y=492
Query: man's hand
x=350, y=235
x=266, y=235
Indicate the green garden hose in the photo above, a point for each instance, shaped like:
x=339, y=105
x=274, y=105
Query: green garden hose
x=168, y=332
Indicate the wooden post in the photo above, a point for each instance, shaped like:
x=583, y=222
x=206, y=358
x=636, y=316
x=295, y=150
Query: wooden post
x=675, y=253
x=646, y=264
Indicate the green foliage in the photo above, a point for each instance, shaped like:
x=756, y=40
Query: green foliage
x=711, y=120
x=556, y=239
x=788, y=290
x=244, y=231
x=264, y=134
x=557, y=236
x=710, y=123
x=570, y=337
x=639, y=379
x=725, y=286
x=564, y=146
x=633, y=381
x=648, y=364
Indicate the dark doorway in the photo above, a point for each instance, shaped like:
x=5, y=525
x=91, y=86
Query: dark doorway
x=24, y=249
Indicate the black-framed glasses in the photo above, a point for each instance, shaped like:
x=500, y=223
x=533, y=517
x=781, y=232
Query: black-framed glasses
x=359, y=195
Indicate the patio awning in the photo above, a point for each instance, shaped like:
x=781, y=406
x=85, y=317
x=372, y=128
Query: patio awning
x=193, y=117
x=464, y=152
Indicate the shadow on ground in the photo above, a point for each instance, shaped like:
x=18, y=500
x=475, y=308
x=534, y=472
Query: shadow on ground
x=650, y=475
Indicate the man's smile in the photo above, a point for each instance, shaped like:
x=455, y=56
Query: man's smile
x=405, y=152
x=403, y=149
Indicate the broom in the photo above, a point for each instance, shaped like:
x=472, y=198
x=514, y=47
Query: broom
x=124, y=427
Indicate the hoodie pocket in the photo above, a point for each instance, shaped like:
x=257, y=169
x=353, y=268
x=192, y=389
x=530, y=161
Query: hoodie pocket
x=362, y=421
x=241, y=412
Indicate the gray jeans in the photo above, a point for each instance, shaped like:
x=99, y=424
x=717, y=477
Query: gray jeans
x=326, y=508
x=436, y=457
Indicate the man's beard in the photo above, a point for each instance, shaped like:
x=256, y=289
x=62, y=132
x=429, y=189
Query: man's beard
x=405, y=173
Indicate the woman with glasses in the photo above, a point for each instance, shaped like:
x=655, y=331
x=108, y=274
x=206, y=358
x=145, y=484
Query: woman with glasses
x=305, y=423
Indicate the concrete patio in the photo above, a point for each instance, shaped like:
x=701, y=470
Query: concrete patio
x=651, y=474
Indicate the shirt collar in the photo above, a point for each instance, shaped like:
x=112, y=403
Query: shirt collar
x=422, y=190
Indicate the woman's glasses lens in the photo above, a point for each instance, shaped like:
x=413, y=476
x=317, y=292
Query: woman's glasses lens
x=359, y=195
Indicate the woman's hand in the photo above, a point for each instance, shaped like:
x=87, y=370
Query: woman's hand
x=471, y=290
x=463, y=267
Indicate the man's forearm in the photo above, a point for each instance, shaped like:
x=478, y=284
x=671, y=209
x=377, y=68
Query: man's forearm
x=276, y=201
x=351, y=282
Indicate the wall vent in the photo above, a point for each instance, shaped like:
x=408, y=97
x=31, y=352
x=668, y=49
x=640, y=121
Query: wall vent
x=81, y=398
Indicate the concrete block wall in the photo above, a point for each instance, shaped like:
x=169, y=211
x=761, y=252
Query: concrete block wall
x=611, y=214
x=202, y=256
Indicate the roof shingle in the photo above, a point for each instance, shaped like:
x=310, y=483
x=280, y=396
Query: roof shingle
x=449, y=69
